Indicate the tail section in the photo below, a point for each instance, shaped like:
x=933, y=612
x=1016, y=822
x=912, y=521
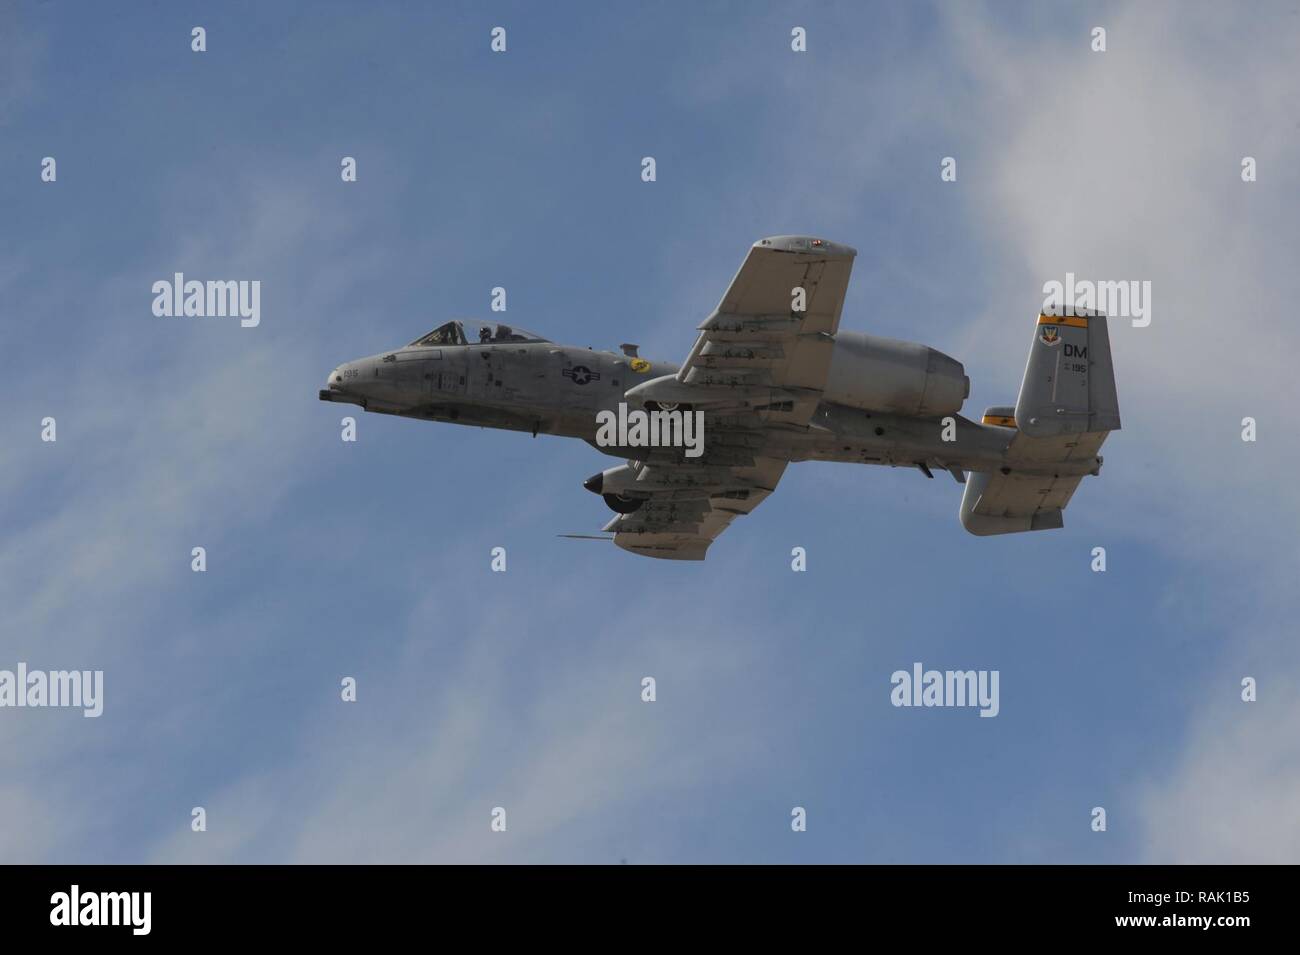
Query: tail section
x=1069, y=383
x=1067, y=406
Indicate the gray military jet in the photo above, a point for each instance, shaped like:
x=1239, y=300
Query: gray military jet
x=772, y=379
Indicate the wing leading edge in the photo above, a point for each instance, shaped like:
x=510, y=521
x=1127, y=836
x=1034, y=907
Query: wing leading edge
x=757, y=346
x=760, y=363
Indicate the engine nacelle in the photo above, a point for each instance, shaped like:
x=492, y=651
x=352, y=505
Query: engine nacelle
x=617, y=480
x=893, y=377
x=613, y=484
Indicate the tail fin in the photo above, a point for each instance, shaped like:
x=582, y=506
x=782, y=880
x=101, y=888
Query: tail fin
x=1069, y=383
x=1067, y=406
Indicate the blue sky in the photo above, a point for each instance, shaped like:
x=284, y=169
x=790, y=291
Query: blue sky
x=522, y=689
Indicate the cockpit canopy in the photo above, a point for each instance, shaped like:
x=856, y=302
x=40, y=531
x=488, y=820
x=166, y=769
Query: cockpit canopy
x=473, y=332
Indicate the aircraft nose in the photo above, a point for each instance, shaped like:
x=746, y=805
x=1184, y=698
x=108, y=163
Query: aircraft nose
x=333, y=383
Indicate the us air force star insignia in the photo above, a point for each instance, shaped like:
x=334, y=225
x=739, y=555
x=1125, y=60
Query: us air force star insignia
x=1049, y=335
x=581, y=374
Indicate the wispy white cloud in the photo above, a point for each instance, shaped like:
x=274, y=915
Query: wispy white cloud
x=1126, y=165
x=412, y=770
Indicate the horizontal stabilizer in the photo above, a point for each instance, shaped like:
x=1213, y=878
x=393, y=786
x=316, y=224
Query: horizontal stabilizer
x=995, y=503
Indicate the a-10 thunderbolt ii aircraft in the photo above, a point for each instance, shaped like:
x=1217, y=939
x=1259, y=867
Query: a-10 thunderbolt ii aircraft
x=775, y=381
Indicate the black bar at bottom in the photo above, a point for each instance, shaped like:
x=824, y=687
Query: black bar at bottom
x=374, y=903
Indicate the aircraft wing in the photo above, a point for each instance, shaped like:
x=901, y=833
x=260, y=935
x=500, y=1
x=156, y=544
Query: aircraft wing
x=689, y=506
x=758, y=351
x=758, y=367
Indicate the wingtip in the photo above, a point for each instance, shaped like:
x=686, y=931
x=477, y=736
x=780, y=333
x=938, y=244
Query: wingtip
x=806, y=243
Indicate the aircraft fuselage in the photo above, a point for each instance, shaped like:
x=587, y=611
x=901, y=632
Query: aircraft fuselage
x=545, y=388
